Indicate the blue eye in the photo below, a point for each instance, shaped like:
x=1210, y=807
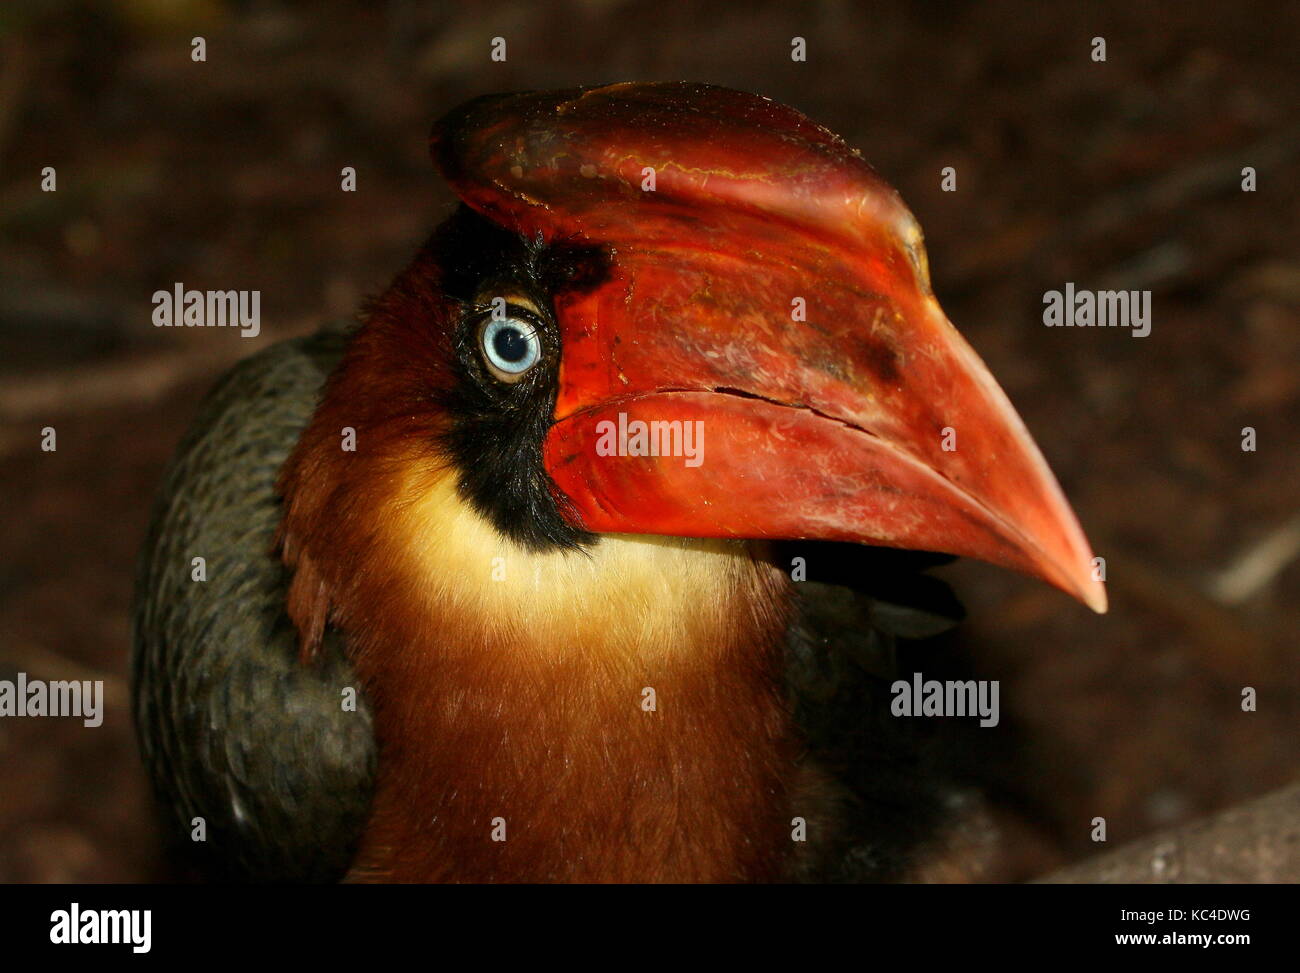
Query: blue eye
x=511, y=346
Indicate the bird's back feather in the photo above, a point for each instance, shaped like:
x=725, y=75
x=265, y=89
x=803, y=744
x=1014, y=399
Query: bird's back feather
x=234, y=730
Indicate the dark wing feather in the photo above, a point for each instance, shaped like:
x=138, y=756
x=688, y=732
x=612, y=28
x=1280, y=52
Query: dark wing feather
x=879, y=790
x=233, y=728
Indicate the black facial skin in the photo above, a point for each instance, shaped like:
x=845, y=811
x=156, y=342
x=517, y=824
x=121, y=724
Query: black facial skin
x=498, y=427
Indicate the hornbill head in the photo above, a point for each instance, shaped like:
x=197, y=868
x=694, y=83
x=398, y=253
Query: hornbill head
x=715, y=266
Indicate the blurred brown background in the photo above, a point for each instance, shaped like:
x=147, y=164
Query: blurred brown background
x=225, y=174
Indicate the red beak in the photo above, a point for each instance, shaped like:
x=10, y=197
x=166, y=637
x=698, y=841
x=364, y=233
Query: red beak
x=770, y=297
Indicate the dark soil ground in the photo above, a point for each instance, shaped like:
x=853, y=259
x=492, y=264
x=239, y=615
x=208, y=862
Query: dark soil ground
x=1127, y=173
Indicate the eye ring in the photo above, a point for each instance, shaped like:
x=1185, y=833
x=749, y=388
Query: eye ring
x=511, y=346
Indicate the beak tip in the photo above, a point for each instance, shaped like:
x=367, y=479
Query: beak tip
x=1095, y=598
x=1088, y=589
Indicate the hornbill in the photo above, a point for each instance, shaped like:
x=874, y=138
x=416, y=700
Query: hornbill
x=499, y=583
